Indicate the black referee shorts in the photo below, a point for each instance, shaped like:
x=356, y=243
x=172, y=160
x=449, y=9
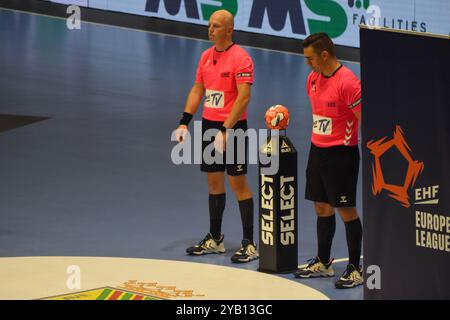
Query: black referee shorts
x=332, y=175
x=238, y=165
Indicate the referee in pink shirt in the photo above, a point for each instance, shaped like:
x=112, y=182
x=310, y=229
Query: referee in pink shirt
x=224, y=77
x=332, y=171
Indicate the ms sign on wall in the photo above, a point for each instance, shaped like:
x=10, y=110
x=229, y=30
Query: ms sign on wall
x=297, y=18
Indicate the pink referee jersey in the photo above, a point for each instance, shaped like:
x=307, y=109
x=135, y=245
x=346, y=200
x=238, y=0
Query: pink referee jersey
x=220, y=73
x=334, y=100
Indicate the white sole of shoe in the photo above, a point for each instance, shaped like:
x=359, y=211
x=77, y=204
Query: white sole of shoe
x=322, y=275
x=349, y=286
x=207, y=252
x=245, y=260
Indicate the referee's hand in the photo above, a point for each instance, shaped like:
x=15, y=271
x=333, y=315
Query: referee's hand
x=220, y=141
x=181, y=133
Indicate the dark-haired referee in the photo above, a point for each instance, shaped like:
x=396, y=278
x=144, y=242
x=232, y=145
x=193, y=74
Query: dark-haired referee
x=333, y=164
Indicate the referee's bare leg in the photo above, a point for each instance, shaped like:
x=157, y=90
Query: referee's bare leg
x=324, y=209
x=240, y=187
x=216, y=182
x=348, y=213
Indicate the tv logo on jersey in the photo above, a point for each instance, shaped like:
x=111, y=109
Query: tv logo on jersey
x=322, y=125
x=214, y=99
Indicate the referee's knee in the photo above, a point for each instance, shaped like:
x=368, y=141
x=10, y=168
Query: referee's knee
x=216, y=183
x=323, y=209
x=240, y=187
x=348, y=214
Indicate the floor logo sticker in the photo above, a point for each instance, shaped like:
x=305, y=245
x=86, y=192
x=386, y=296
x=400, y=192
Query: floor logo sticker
x=130, y=290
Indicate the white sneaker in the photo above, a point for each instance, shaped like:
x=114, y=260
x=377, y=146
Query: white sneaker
x=246, y=253
x=351, y=278
x=315, y=269
x=207, y=245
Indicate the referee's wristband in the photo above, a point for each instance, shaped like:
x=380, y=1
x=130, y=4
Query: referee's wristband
x=186, y=118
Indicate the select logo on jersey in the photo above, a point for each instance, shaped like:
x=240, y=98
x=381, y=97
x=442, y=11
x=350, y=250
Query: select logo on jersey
x=214, y=99
x=322, y=125
x=225, y=75
x=377, y=149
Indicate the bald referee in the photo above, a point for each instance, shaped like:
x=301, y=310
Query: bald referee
x=224, y=76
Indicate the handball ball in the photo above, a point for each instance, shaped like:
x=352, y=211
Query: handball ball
x=277, y=117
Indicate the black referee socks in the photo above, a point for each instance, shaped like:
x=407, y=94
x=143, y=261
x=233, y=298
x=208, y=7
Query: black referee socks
x=216, y=208
x=246, y=208
x=353, y=230
x=326, y=226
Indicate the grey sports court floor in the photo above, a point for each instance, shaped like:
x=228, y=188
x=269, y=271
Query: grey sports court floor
x=96, y=179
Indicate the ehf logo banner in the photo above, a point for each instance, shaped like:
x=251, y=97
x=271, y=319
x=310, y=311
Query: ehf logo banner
x=406, y=157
